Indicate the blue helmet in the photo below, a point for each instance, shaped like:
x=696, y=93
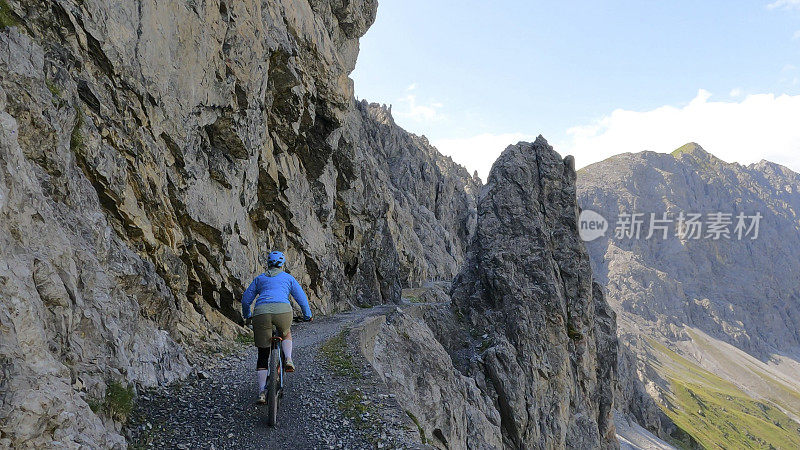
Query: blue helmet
x=275, y=259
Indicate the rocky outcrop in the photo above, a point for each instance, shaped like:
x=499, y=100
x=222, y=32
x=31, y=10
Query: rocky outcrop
x=152, y=152
x=450, y=409
x=527, y=285
x=633, y=400
x=530, y=338
x=432, y=205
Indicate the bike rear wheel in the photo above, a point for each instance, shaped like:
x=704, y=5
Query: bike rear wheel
x=273, y=386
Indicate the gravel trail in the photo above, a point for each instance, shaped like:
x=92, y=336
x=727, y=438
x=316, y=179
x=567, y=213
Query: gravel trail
x=320, y=408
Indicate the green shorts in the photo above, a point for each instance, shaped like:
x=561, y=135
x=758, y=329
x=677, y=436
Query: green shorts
x=263, y=323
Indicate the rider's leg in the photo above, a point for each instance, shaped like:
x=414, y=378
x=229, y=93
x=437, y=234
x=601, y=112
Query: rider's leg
x=262, y=367
x=283, y=322
x=262, y=372
x=262, y=333
x=286, y=345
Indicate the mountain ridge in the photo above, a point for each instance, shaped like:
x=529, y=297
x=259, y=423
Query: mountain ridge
x=695, y=295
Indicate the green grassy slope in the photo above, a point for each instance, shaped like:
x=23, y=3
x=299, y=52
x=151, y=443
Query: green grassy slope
x=718, y=414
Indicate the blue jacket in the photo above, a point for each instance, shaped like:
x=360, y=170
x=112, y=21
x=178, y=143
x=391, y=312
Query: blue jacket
x=276, y=288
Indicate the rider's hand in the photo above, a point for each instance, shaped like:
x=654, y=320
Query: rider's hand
x=307, y=319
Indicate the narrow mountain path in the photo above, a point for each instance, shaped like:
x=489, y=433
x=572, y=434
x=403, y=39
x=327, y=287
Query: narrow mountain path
x=333, y=400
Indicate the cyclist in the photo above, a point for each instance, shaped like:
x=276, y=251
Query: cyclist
x=270, y=291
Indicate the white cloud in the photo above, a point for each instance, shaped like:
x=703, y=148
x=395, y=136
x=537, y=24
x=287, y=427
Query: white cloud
x=409, y=108
x=796, y=35
x=736, y=92
x=784, y=4
x=762, y=126
x=479, y=152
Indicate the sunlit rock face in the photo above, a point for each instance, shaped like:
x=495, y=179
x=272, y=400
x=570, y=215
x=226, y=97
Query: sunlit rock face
x=527, y=284
x=741, y=290
x=690, y=291
x=151, y=152
x=523, y=353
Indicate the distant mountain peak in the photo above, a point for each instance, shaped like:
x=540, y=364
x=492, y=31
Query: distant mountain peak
x=692, y=148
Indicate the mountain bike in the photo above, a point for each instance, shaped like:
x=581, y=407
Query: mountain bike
x=275, y=379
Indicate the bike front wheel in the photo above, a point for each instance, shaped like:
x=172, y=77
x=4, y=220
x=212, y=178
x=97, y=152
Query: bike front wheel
x=273, y=386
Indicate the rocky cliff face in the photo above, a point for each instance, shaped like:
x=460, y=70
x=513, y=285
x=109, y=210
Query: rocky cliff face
x=527, y=285
x=691, y=307
x=526, y=355
x=431, y=199
x=151, y=152
x=635, y=399
x=745, y=292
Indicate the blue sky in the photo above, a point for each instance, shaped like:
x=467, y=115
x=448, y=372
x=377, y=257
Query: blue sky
x=595, y=78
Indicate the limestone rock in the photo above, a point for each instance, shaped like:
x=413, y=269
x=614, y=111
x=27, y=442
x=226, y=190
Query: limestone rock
x=526, y=355
x=671, y=290
x=449, y=407
x=527, y=284
x=720, y=286
x=152, y=152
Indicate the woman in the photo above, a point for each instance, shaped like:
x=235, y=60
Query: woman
x=271, y=291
